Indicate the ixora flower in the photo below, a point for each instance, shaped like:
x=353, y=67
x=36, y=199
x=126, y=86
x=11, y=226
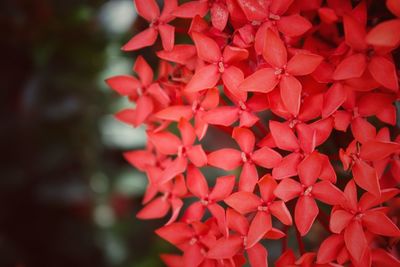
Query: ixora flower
x=267, y=116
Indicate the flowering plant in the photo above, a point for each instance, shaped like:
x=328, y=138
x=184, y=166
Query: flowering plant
x=294, y=102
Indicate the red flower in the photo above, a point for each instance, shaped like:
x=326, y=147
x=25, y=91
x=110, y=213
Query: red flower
x=307, y=191
x=149, y=10
x=229, y=159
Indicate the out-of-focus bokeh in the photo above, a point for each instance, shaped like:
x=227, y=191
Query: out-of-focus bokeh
x=67, y=197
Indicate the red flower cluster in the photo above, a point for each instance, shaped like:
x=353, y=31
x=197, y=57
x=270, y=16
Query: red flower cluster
x=307, y=90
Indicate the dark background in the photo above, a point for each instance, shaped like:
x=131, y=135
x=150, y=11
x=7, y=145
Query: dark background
x=67, y=197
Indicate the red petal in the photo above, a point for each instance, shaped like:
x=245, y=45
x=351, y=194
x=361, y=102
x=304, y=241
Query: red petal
x=291, y=93
x=231, y=78
x=274, y=50
x=280, y=7
x=175, y=113
x=147, y=9
x=366, y=177
x=287, y=167
x=280, y=211
x=181, y=53
x=123, y=84
x=225, y=116
x=328, y=172
x=237, y=221
x=267, y=186
x=175, y=233
x=309, y=169
x=362, y=130
x=333, y=99
x=143, y=39
x=328, y=193
x=187, y=132
x=225, y=248
x=207, y=49
x=165, y=142
x=206, y=77
x=196, y=182
x=140, y=159
x=378, y=223
x=243, y=202
x=329, y=249
x=288, y=189
x=244, y=138
x=350, y=67
x=143, y=69
x=234, y=54
x=383, y=35
x=144, y=107
x=191, y=9
x=259, y=226
x=354, y=33
x=283, y=136
x=197, y=155
x=258, y=255
x=226, y=159
x=266, y=157
x=219, y=16
x=384, y=72
x=382, y=258
x=305, y=212
x=263, y=80
x=223, y=188
x=286, y=259
x=303, y=64
x=339, y=220
x=369, y=200
x=307, y=137
x=171, y=260
x=176, y=206
x=293, y=25
x=157, y=208
x=252, y=9
x=355, y=241
x=167, y=34
x=248, y=177
x=175, y=168
x=394, y=7
x=376, y=150
x=193, y=255
x=350, y=192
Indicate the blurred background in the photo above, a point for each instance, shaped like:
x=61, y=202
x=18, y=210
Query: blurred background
x=67, y=197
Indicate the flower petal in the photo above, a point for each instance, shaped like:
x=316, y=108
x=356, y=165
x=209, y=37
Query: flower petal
x=366, y=177
x=303, y=64
x=204, y=78
x=263, y=81
x=283, y=136
x=378, y=223
x=382, y=35
x=248, y=177
x=207, y=49
x=384, y=72
x=226, y=159
x=225, y=115
x=293, y=25
x=259, y=226
x=355, y=240
x=305, y=212
x=329, y=249
x=243, y=202
x=196, y=182
x=244, y=138
x=274, y=51
x=197, y=155
x=288, y=189
x=123, y=84
x=148, y=9
x=350, y=67
x=280, y=211
x=287, y=167
x=165, y=142
x=291, y=93
x=225, y=248
x=155, y=209
x=223, y=188
x=354, y=33
x=326, y=192
x=257, y=255
x=309, y=169
x=167, y=34
x=143, y=39
x=175, y=113
x=266, y=157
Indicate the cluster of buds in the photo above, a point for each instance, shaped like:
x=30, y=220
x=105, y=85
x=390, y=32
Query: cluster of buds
x=293, y=102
